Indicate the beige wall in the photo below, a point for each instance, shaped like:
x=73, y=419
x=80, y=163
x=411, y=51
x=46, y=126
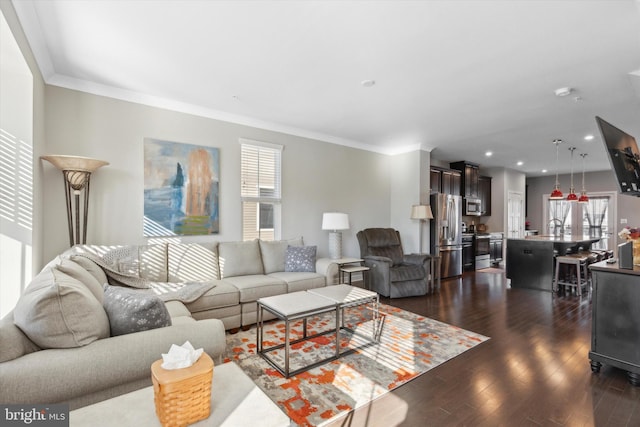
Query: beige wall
x=317, y=176
x=405, y=184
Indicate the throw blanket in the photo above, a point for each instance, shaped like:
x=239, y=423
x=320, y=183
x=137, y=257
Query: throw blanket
x=185, y=292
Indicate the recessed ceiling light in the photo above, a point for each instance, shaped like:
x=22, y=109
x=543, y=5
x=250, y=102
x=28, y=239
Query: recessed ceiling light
x=520, y=163
x=489, y=153
x=544, y=171
x=368, y=83
x=588, y=137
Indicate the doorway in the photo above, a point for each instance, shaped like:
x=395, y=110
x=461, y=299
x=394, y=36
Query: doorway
x=515, y=215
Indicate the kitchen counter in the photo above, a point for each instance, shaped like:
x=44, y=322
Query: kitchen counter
x=615, y=268
x=565, y=243
x=564, y=238
x=530, y=262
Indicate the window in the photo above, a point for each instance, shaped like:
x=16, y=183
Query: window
x=595, y=218
x=16, y=170
x=260, y=190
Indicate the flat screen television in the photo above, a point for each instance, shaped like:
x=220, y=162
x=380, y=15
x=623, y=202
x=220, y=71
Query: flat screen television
x=624, y=157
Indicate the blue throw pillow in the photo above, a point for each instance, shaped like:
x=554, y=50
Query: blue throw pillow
x=300, y=259
x=132, y=310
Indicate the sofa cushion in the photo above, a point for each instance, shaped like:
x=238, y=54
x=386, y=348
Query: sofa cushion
x=94, y=269
x=253, y=287
x=240, y=258
x=223, y=295
x=58, y=311
x=148, y=262
x=130, y=310
x=300, y=259
x=300, y=281
x=79, y=273
x=274, y=253
x=13, y=342
x=193, y=262
x=153, y=262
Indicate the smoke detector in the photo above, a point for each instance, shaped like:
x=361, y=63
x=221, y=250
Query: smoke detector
x=563, y=91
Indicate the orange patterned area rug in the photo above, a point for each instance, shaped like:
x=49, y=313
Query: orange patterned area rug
x=409, y=345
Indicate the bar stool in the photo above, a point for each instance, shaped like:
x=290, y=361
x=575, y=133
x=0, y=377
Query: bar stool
x=577, y=278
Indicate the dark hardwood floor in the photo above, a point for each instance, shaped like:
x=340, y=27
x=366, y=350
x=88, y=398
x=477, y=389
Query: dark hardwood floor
x=533, y=371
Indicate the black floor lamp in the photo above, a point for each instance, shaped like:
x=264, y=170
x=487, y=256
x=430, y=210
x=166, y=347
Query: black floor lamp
x=76, y=173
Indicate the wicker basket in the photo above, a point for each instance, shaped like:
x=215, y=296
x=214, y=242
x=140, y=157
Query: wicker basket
x=182, y=396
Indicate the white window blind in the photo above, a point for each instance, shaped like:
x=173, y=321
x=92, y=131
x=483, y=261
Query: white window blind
x=260, y=189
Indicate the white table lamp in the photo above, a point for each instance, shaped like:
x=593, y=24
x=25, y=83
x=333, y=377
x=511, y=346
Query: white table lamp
x=335, y=221
x=421, y=212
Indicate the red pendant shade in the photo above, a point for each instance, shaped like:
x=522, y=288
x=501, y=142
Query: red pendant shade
x=556, y=194
x=583, y=198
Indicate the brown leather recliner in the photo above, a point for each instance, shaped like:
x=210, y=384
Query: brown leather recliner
x=392, y=273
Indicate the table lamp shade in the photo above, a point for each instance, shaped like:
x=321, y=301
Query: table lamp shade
x=421, y=212
x=335, y=221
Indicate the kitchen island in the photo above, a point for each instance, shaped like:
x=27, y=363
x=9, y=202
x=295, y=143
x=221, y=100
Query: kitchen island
x=530, y=262
x=615, y=332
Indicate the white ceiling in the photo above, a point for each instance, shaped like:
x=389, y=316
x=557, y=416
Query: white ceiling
x=455, y=77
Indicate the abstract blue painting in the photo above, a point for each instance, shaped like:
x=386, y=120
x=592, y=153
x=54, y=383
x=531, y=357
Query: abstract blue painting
x=181, y=185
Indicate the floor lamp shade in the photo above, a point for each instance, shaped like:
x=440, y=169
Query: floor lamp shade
x=335, y=221
x=76, y=173
x=421, y=212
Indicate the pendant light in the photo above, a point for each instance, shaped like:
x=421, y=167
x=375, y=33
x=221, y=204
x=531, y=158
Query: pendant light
x=556, y=194
x=572, y=197
x=583, y=194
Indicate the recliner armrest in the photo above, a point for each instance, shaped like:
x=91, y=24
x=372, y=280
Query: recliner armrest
x=416, y=259
x=371, y=259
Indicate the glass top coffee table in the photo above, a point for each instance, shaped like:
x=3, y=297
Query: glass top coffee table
x=303, y=305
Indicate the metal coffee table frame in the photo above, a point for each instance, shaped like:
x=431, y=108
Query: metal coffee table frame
x=323, y=300
x=347, y=296
x=315, y=306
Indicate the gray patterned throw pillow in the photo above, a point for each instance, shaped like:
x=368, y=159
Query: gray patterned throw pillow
x=300, y=259
x=131, y=310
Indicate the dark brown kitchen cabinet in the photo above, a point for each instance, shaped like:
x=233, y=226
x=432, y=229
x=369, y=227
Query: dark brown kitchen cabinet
x=470, y=174
x=445, y=181
x=484, y=194
x=451, y=182
x=436, y=180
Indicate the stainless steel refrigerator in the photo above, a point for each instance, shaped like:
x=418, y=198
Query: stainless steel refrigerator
x=446, y=233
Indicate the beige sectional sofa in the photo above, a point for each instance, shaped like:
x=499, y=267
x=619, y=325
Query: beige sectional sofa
x=64, y=353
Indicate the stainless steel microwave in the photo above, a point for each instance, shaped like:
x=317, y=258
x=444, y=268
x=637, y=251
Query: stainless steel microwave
x=471, y=207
